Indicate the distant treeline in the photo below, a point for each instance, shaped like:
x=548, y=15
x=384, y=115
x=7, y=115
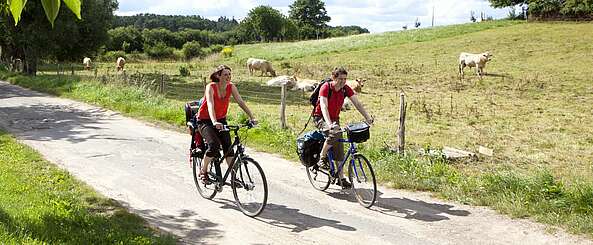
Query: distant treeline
x=175, y=23
x=550, y=9
x=151, y=32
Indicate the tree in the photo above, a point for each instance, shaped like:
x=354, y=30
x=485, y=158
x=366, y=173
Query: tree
x=472, y=16
x=417, y=23
x=266, y=21
x=309, y=15
x=290, y=30
x=35, y=38
x=506, y=3
x=129, y=35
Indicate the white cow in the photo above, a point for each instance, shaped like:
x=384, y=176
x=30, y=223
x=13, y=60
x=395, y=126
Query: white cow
x=289, y=81
x=87, y=63
x=474, y=60
x=306, y=85
x=120, y=63
x=264, y=66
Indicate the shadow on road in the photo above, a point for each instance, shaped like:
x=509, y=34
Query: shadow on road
x=192, y=228
x=289, y=218
x=410, y=209
x=54, y=122
x=45, y=122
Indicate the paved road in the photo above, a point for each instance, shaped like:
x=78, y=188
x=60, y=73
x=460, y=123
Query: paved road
x=146, y=168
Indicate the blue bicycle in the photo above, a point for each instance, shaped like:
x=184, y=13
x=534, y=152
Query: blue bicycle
x=360, y=172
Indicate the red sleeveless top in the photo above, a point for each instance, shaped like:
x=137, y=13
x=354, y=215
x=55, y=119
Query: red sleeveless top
x=220, y=105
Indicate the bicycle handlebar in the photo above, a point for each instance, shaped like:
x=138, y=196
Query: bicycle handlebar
x=248, y=125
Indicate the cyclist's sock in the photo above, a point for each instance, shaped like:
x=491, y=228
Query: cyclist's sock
x=323, y=163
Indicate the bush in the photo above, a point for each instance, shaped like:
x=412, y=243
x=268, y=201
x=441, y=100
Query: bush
x=136, y=56
x=111, y=56
x=192, y=49
x=159, y=51
x=216, y=48
x=178, y=54
x=184, y=71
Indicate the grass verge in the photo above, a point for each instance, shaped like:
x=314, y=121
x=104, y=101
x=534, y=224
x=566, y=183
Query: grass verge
x=41, y=204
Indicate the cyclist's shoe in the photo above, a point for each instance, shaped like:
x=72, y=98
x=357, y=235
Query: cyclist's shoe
x=345, y=184
x=204, y=178
x=323, y=163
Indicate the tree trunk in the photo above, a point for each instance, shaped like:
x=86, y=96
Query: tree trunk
x=30, y=62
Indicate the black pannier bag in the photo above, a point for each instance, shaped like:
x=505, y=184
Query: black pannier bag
x=358, y=132
x=309, y=146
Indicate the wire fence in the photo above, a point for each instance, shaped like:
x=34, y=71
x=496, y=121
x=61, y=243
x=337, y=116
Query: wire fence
x=175, y=86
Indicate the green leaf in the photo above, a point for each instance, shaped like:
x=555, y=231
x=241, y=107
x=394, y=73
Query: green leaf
x=74, y=5
x=51, y=7
x=16, y=8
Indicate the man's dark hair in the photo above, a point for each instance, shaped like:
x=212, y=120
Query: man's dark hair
x=339, y=71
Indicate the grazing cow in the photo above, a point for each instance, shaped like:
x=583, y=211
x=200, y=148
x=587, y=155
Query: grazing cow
x=120, y=63
x=306, y=85
x=16, y=65
x=347, y=105
x=87, y=63
x=356, y=85
x=264, y=66
x=290, y=81
x=474, y=60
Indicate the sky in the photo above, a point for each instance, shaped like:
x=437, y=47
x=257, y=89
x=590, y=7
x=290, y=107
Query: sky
x=375, y=15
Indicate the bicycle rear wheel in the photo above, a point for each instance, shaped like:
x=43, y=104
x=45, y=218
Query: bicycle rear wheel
x=362, y=177
x=249, y=185
x=206, y=189
x=319, y=178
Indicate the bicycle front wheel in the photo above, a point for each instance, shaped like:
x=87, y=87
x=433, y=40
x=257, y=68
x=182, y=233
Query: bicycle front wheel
x=362, y=177
x=206, y=189
x=249, y=185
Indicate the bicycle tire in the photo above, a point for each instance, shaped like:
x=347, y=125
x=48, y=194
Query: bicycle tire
x=362, y=177
x=206, y=190
x=319, y=178
x=244, y=181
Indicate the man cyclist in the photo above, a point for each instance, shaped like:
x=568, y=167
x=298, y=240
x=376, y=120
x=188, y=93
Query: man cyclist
x=327, y=117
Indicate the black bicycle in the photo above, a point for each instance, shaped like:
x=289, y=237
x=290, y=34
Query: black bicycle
x=360, y=171
x=248, y=182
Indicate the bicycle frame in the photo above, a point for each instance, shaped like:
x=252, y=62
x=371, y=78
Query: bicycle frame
x=351, y=151
x=217, y=161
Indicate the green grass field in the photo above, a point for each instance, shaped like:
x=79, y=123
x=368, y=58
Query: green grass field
x=40, y=204
x=533, y=108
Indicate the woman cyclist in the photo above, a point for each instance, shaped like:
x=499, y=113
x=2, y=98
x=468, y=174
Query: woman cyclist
x=212, y=116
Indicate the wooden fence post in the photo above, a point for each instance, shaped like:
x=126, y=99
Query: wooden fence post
x=401, y=134
x=283, y=107
x=162, y=84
